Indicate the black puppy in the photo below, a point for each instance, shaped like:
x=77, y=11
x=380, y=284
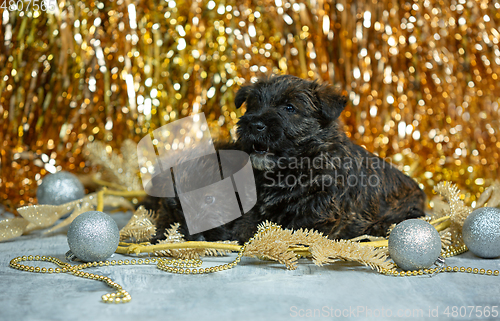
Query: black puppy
x=308, y=173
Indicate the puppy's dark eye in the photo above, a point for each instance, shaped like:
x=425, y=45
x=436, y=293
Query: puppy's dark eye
x=209, y=199
x=290, y=108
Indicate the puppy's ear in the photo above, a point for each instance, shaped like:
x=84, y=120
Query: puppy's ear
x=242, y=95
x=331, y=102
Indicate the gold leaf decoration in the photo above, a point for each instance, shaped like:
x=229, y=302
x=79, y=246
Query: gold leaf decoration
x=122, y=170
x=141, y=226
x=445, y=239
x=174, y=236
x=330, y=251
x=458, y=211
x=273, y=242
x=219, y=252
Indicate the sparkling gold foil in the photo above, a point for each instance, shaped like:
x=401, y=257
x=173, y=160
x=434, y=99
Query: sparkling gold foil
x=422, y=78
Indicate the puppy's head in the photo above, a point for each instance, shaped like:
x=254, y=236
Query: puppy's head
x=285, y=117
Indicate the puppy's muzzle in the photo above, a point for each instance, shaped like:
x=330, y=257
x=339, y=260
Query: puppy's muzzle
x=258, y=127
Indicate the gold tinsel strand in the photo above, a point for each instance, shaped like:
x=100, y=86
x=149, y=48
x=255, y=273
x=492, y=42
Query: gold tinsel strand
x=422, y=78
x=457, y=210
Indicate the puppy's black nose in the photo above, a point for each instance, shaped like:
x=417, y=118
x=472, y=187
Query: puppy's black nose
x=258, y=126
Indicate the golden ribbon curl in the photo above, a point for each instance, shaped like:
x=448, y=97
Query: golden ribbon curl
x=36, y=217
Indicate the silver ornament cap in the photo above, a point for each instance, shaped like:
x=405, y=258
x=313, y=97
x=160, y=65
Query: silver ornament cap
x=481, y=232
x=59, y=188
x=92, y=236
x=414, y=244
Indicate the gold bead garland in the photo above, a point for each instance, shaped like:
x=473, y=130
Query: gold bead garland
x=178, y=266
x=120, y=296
x=188, y=266
x=452, y=251
x=433, y=271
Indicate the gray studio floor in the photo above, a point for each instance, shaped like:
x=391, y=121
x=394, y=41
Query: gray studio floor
x=254, y=290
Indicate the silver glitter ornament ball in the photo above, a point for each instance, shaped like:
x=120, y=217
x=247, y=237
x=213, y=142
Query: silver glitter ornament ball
x=92, y=236
x=59, y=188
x=481, y=232
x=414, y=244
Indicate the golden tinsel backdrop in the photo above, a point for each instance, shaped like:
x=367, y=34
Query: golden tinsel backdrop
x=422, y=78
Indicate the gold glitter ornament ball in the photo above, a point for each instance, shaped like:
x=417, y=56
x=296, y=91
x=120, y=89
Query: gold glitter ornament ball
x=414, y=244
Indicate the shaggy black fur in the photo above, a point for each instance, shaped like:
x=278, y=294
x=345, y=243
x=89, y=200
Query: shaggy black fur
x=308, y=173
